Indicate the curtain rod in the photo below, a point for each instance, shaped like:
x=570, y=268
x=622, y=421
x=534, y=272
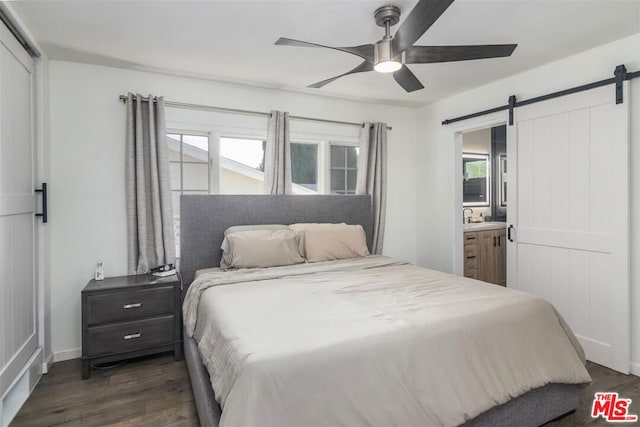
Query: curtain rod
x=124, y=98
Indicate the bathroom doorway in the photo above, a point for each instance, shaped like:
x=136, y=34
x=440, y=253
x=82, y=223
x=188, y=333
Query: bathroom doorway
x=484, y=204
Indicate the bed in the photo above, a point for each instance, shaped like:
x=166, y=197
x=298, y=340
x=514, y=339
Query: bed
x=340, y=363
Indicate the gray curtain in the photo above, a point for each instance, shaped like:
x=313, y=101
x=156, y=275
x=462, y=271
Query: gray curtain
x=151, y=241
x=372, y=176
x=277, y=156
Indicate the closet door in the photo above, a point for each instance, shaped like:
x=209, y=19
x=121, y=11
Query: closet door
x=18, y=297
x=569, y=205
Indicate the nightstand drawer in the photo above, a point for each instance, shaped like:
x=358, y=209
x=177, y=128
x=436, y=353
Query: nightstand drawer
x=130, y=304
x=129, y=336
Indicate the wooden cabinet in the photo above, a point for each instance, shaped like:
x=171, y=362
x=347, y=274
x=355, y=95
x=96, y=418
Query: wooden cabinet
x=470, y=255
x=485, y=256
x=501, y=257
x=130, y=316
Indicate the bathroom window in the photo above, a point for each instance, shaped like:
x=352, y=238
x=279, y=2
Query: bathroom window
x=476, y=178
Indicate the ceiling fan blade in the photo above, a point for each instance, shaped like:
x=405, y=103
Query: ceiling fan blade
x=421, y=17
x=364, y=51
x=363, y=67
x=407, y=79
x=431, y=54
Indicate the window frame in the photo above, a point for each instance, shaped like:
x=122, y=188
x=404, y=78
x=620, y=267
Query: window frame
x=217, y=132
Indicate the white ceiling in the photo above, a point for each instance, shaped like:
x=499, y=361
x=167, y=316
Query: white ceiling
x=233, y=40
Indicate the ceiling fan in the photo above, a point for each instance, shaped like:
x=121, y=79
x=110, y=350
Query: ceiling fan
x=393, y=53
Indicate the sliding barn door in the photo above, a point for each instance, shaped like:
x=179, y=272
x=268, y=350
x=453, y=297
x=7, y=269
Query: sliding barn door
x=569, y=205
x=18, y=296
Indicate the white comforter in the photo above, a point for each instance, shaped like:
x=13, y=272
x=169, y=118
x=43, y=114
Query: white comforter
x=371, y=341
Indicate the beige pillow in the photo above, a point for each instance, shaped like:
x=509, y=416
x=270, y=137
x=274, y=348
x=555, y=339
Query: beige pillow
x=335, y=242
x=301, y=227
x=225, y=260
x=263, y=248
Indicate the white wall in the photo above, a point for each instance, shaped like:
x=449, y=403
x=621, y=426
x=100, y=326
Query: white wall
x=87, y=157
x=437, y=156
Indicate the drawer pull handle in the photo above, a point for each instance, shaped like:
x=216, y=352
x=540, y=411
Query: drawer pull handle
x=132, y=336
x=471, y=238
x=471, y=257
x=134, y=305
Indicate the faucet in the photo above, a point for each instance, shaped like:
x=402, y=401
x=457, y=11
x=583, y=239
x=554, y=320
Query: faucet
x=468, y=218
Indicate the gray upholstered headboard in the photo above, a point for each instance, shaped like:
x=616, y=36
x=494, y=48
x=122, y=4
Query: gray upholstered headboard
x=203, y=220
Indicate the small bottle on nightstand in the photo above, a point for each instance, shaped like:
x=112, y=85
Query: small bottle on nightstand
x=99, y=271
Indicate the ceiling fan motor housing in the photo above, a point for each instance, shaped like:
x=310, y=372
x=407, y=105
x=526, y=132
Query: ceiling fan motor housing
x=382, y=53
x=388, y=13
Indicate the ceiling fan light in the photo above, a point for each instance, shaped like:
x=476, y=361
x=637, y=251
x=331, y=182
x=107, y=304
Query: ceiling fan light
x=387, y=66
x=383, y=59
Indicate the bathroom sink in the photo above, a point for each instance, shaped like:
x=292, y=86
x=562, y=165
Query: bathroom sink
x=487, y=225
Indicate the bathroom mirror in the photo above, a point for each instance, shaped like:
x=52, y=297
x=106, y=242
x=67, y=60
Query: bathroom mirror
x=476, y=188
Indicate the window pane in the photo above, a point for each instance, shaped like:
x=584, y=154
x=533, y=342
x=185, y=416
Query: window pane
x=173, y=142
x=195, y=176
x=304, y=165
x=174, y=170
x=247, y=152
x=351, y=180
x=352, y=157
x=195, y=153
x=175, y=199
x=337, y=181
x=197, y=141
x=240, y=180
x=337, y=156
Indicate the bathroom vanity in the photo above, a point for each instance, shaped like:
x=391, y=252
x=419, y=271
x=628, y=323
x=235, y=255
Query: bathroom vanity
x=485, y=252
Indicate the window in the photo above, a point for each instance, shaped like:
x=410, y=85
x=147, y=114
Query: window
x=304, y=165
x=343, y=169
x=189, y=167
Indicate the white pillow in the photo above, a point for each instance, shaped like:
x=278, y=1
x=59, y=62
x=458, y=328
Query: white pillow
x=262, y=248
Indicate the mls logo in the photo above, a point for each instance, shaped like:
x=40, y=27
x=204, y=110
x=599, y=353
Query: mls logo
x=612, y=408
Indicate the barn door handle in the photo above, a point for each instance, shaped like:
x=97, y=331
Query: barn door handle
x=509, y=232
x=44, y=213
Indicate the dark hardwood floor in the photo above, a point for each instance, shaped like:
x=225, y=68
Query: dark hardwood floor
x=153, y=391
x=156, y=392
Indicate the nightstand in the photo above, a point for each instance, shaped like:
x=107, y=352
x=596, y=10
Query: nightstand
x=130, y=316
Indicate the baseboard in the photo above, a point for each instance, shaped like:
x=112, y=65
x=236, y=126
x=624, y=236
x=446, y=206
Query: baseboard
x=61, y=356
x=635, y=369
x=46, y=365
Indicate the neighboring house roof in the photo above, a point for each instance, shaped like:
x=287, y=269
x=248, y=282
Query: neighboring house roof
x=229, y=164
